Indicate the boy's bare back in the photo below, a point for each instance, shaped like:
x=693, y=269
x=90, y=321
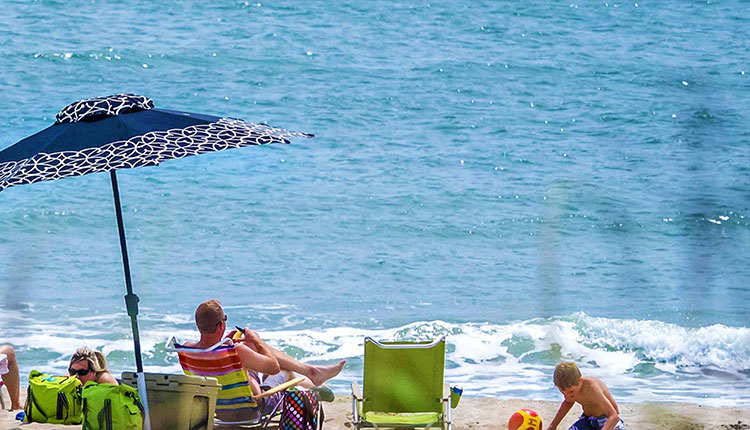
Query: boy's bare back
x=595, y=398
x=600, y=410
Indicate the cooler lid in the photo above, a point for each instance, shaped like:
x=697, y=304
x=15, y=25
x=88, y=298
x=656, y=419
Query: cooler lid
x=167, y=379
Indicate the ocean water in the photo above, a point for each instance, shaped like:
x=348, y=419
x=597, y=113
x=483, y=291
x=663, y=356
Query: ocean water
x=535, y=180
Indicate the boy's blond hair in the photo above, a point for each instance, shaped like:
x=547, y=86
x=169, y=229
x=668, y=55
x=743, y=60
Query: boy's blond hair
x=567, y=375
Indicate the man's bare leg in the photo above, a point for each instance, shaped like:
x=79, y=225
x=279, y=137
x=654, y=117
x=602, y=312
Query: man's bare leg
x=315, y=373
x=12, y=379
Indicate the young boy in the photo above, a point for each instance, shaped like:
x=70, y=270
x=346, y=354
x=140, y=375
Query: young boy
x=600, y=410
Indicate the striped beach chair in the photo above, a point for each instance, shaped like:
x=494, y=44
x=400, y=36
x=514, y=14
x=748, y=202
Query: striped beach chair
x=235, y=403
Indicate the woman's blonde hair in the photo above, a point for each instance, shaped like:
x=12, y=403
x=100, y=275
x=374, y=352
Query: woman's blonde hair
x=96, y=359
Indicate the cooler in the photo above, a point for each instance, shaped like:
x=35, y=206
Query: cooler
x=179, y=402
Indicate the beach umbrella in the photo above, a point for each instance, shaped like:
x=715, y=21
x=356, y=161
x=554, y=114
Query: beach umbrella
x=123, y=131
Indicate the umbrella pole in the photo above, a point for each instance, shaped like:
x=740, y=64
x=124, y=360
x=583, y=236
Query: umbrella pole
x=131, y=303
x=131, y=300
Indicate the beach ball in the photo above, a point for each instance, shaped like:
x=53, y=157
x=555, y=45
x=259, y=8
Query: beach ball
x=525, y=419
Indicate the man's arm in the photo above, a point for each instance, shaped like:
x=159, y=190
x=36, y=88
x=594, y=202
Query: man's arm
x=564, y=409
x=255, y=355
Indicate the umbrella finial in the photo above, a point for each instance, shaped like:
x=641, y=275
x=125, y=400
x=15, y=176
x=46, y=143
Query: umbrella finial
x=116, y=104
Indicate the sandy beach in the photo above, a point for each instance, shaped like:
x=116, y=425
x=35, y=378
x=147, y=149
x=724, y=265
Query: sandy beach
x=492, y=414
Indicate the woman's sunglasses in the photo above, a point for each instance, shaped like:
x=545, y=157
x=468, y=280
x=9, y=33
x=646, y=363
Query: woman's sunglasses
x=80, y=372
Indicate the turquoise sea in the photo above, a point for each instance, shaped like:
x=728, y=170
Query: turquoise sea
x=537, y=180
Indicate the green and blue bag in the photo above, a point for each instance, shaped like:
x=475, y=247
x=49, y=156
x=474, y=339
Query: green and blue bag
x=53, y=399
x=111, y=407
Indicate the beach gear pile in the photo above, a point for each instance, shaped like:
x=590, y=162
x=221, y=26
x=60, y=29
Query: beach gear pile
x=62, y=400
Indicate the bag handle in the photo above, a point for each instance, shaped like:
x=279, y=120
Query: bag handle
x=85, y=409
x=309, y=412
x=136, y=400
x=308, y=416
x=29, y=404
x=105, y=416
x=32, y=403
x=62, y=406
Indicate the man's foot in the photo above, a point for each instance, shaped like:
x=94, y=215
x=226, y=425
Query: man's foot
x=320, y=374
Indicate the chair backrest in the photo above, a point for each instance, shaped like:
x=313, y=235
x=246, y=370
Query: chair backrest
x=403, y=376
x=223, y=363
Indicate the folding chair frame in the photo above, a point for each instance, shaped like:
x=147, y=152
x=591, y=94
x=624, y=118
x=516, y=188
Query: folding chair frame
x=358, y=398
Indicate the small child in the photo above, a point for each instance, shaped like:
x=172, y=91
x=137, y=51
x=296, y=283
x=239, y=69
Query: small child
x=600, y=410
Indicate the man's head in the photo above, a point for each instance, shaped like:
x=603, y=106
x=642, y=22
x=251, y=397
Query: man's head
x=568, y=379
x=210, y=316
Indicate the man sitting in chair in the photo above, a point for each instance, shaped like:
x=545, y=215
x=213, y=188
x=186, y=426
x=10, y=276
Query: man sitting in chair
x=256, y=355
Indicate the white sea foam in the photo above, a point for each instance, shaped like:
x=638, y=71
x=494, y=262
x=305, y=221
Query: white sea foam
x=640, y=360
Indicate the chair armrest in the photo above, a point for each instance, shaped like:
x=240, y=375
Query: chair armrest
x=357, y=401
x=356, y=392
x=170, y=344
x=281, y=387
x=448, y=414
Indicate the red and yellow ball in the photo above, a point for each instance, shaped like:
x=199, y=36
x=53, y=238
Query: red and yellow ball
x=525, y=419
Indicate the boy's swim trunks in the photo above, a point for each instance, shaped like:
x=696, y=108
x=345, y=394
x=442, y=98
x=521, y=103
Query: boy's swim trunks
x=593, y=423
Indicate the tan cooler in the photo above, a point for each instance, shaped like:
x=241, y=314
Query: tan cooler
x=178, y=402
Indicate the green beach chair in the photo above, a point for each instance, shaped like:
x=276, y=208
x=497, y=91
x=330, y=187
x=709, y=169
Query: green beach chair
x=403, y=386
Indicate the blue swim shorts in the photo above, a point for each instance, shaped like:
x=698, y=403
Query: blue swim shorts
x=593, y=423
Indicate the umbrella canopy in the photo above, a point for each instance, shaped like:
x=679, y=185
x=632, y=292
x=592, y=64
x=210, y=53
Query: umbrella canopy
x=124, y=131
x=119, y=132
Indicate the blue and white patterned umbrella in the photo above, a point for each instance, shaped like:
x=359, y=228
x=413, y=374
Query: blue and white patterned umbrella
x=120, y=132
x=124, y=131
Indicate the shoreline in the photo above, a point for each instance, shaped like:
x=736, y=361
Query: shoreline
x=475, y=413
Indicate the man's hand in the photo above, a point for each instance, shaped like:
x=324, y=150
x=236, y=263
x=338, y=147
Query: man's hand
x=251, y=335
x=251, y=339
x=255, y=354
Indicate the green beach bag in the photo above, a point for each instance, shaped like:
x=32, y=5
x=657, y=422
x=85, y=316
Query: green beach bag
x=53, y=399
x=111, y=407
